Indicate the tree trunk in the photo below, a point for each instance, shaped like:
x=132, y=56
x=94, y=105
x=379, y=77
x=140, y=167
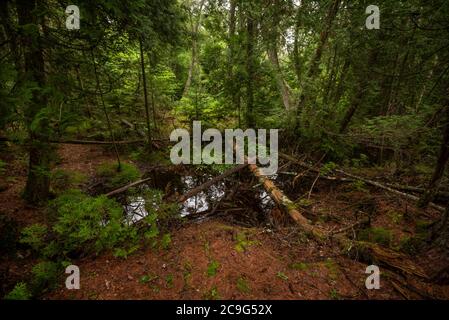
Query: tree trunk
x=145, y=93
x=314, y=66
x=282, y=84
x=250, y=31
x=443, y=157
x=358, y=98
x=38, y=182
x=193, y=61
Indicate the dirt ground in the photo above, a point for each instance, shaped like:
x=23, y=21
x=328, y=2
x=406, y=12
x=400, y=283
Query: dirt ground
x=209, y=260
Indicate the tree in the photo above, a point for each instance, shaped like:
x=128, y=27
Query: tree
x=38, y=183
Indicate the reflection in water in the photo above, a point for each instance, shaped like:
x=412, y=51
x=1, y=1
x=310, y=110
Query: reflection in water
x=135, y=210
x=202, y=202
x=135, y=207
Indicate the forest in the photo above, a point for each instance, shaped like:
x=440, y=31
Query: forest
x=349, y=101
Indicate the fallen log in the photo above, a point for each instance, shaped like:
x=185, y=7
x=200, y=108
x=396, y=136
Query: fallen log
x=367, y=181
x=88, y=142
x=124, y=188
x=395, y=260
x=93, y=142
x=381, y=186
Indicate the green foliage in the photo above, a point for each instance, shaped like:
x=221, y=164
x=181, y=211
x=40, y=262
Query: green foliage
x=328, y=168
x=148, y=278
x=332, y=268
x=169, y=281
x=359, y=185
x=20, y=292
x=301, y=266
x=126, y=251
x=395, y=217
x=243, y=242
x=90, y=224
x=45, y=276
x=166, y=241
x=212, y=294
x=2, y=167
x=62, y=180
x=114, y=178
x=34, y=236
x=242, y=285
x=377, y=235
x=212, y=268
x=334, y=295
x=282, y=276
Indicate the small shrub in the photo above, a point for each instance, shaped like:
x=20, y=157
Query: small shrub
x=90, y=224
x=243, y=242
x=20, y=292
x=212, y=294
x=358, y=186
x=2, y=167
x=34, y=236
x=411, y=245
x=395, y=217
x=169, y=281
x=333, y=294
x=332, y=268
x=377, y=235
x=45, y=275
x=166, y=241
x=62, y=180
x=148, y=278
x=212, y=268
x=301, y=266
x=114, y=178
x=242, y=285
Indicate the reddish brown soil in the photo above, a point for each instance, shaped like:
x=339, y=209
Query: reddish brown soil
x=264, y=270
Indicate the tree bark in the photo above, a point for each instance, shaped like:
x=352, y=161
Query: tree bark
x=38, y=182
x=442, y=160
x=332, y=13
x=145, y=93
x=358, y=98
x=250, y=35
x=193, y=61
x=283, y=87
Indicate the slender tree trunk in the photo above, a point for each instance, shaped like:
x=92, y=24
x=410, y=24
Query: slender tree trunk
x=108, y=120
x=442, y=160
x=81, y=84
x=12, y=35
x=315, y=62
x=282, y=84
x=145, y=93
x=358, y=98
x=38, y=182
x=233, y=83
x=314, y=66
x=341, y=81
x=250, y=35
x=193, y=61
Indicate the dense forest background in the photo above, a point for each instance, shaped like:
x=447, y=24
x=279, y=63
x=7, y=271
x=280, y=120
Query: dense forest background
x=341, y=94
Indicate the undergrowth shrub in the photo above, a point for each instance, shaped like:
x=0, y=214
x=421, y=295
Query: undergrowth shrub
x=20, y=292
x=34, y=236
x=62, y=180
x=45, y=276
x=89, y=224
x=377, y=235
x=114, y=178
